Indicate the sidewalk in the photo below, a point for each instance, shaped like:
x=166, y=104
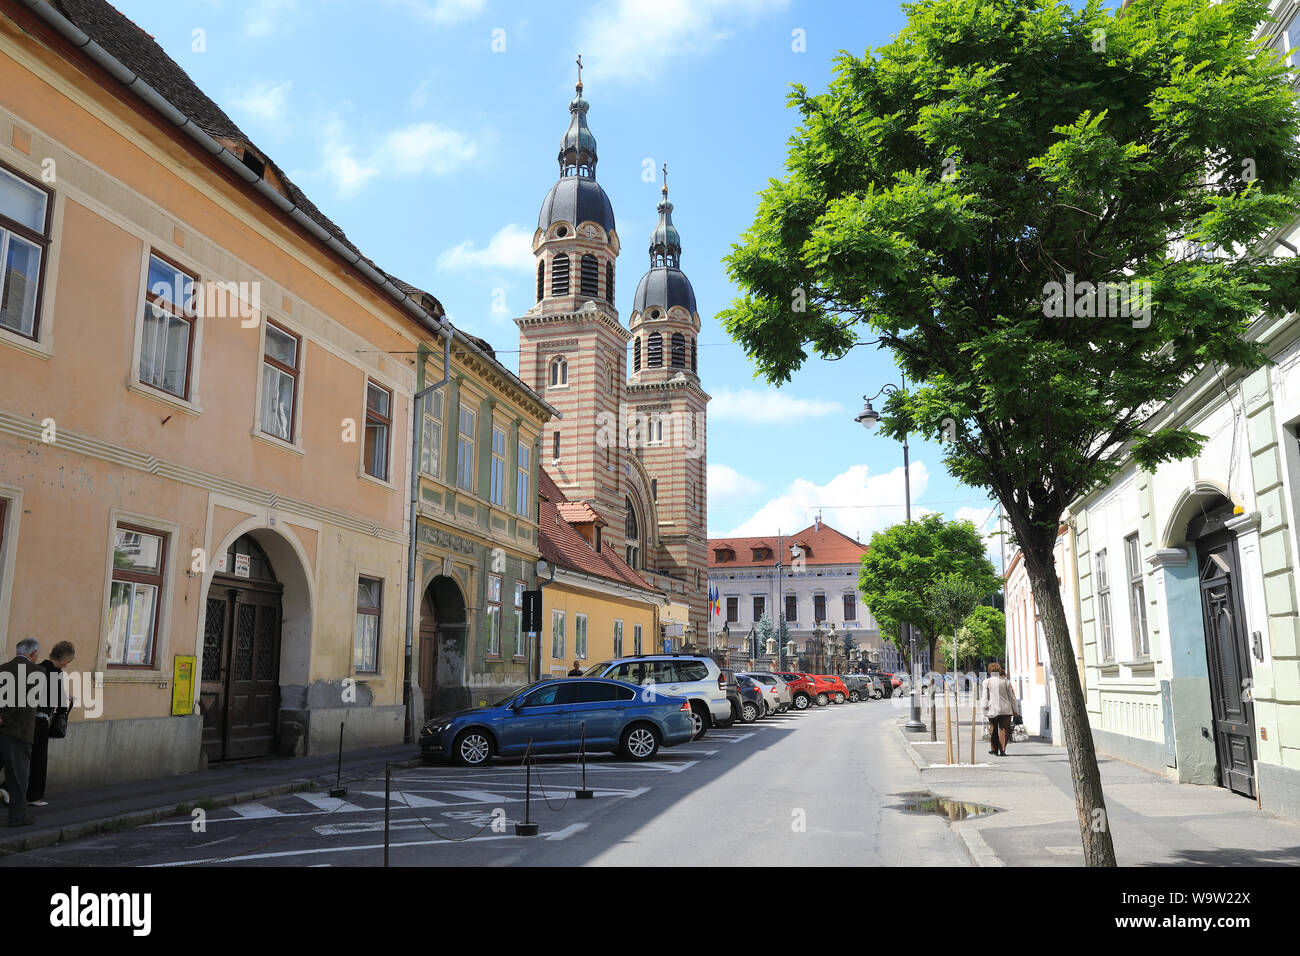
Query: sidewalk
x=1154, y=822
x=80, y=813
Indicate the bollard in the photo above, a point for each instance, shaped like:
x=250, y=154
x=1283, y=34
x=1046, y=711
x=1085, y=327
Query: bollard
x=584, y=793
x=528, y=827
x=339, y=790
x=388, y=792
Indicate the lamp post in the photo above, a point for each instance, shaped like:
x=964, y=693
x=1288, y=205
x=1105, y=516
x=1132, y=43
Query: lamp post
x=868, y=418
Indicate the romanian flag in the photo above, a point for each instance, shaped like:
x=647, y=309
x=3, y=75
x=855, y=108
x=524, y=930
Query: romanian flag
x=715, y=605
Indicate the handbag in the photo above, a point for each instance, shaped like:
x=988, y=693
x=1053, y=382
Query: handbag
x=58, y=726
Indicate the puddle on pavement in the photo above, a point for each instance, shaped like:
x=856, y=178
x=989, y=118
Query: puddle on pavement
x=923, y=801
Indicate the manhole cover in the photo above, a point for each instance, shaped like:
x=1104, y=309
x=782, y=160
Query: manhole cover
x=923, y=801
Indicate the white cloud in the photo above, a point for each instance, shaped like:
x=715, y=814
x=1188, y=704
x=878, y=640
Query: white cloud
x=510, y=248
x=618, y=39
x=442, y=12
x=264, y=16
x=418, y=149
x=854, y=502
x=727, y=484
x=265, y=103
x=767, y=406
x=985, y=519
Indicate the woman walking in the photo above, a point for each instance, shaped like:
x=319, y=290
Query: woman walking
x=999, y=705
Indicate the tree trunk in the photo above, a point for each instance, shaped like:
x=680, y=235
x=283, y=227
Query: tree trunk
x=1089, y=802
x=931, y=640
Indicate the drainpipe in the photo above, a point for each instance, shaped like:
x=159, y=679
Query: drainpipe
x=537, y=643
x=421, y=351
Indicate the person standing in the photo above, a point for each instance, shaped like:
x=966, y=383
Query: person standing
x=56, y=705
x=999, y=705
x=577, y=670
x=17, y=727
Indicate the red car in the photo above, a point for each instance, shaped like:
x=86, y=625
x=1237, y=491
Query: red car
x=802, y=690
x=827, y=688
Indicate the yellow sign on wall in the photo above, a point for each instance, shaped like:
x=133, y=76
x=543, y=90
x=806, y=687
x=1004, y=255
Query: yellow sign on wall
x=183, y=685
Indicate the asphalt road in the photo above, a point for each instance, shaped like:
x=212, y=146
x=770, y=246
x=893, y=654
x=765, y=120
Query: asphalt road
x=814, y=788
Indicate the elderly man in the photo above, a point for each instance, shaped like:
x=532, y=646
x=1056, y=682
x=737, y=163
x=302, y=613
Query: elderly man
x=55, y=706
x=18, y=703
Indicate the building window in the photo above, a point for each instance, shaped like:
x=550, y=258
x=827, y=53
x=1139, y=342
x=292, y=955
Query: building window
x=465, y=449
x=24, y=241
x=520, y=649
x=559, y=371
x=589, y=276
x=523, y=500
x=679, y=350
x=1137, y=605
x=654, y=488
x=134, y=604
x=580, y=637
x=655, y=350
x=557, y=635
x=555, y=446
x=636, y=638
x=636, y=354
x=431, y=435
x=279, y=381
x=560, y=275
x=631, y=533
x=694, y=366
x=850, y=606
x=498, y=489
x=378, y=422
x=170, y=310
x=791, y=608
x=760, y=607
x=618, y=638
x=494, y=615
x=733, y=610
x=1103, y=609
x=819, y=608
x=609, y=281
x=654, y=431
x=541, y=279
x=365, y=644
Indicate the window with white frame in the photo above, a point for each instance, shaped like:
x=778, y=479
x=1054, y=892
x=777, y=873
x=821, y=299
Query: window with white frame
x=1137, y=605
x=636, y=638
x=379, y=424
x=24, y=243
x=618, y=638
x=819, y=608
x=431, y=434
x=365, y=644
x=135, y=598
x=850, y=606
x=559, y=372
x=465, y=449
x=494, y=615
x=791, y=607
x=1105, y=634
x=760, y=607
x=557, y=634
x=279, y=381
x=170, y=313
x=580, y=636
x=520, y=649
x=497, y=493
x=733, y=610
x=523, y=497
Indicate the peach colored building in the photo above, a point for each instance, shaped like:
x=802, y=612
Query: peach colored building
x=205, y=417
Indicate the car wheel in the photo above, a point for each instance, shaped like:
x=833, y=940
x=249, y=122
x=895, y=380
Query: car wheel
x=698, y=723
x=639, y=742
x=854, y=696
x=822, y=700
x=839, y=698
x=801, y=701
x=749, y=713
x=879, y=695
x=472, y=748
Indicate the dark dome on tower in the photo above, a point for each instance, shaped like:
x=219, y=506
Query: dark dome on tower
x=665, y=285
x=576, y=200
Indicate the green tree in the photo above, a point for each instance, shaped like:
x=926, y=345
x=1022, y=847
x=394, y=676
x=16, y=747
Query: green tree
x=949, y=186
x=952, y=598
x=904, y=561
x=985, y=630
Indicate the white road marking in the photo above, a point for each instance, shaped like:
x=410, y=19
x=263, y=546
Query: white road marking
x=253, y=811
x=567, y=832
x=325, y=802
x=279, y=854
x=739, y=737
x=405, y=799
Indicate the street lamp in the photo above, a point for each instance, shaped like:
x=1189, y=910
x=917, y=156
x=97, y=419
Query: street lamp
x=868, y=418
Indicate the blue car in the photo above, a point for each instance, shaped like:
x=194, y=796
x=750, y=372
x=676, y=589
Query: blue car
x=555, y=715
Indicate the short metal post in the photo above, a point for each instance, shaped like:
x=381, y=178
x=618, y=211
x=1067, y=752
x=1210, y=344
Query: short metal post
x=528, y=827
x=339, y=790
x=388, y=791
x=584, y=793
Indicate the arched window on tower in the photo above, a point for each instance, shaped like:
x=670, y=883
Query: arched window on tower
x=636, y=354
x=559, y=371
x=590, y=276
x=632, y=534
x=679, y=350
x=694, y=366
x=609, y=281
x=541, y=279
x=655, y=351
x=560, y=275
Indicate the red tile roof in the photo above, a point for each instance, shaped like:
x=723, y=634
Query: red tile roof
x=562, y=545
x=821, y=544
x=579, y=512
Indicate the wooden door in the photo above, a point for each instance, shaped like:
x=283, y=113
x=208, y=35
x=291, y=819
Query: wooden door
x=239, y=696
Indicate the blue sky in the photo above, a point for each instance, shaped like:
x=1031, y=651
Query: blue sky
x=428, y=130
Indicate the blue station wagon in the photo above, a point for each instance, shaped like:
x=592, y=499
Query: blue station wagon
x=555, y=715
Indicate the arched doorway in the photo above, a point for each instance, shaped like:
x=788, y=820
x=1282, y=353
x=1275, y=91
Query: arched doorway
x=239, y=694
x=442, y=647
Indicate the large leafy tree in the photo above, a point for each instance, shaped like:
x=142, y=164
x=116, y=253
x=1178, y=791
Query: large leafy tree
x=944, y=182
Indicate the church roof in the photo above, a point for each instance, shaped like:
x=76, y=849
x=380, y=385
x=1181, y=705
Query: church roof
x=575, y=200
x=562, y=545
x=664, y=286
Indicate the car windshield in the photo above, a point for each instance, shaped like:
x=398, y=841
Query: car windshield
x=595, y=670
x=518, y=693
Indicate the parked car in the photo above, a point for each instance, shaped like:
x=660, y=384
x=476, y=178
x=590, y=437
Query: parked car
x=555, y=715
x=753, y=706
x=881, y=686
x=733, y=696
x=801, y=689
x=779, y=694
x=696, y=677
x=834, y=688
x=860, y=686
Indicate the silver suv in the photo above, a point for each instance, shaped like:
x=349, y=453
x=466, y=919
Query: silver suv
x=697, y=678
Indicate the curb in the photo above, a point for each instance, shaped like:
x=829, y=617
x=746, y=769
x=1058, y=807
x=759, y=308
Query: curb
x=136, y=818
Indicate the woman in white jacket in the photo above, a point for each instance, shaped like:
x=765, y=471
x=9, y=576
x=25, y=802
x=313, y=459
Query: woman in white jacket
x=999, y=705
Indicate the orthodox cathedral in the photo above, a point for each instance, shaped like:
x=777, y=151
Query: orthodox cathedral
x=631, y=441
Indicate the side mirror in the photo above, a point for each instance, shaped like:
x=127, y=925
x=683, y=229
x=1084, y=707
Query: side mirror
x=517, y=704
